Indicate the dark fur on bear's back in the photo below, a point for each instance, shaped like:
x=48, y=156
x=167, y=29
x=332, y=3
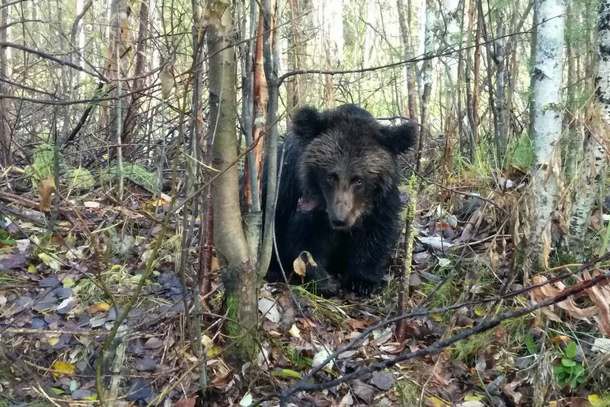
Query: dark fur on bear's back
x=338, y=196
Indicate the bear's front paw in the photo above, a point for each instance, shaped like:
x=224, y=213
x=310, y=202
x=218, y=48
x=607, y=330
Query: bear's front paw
x=326, y=286
x=363, y=287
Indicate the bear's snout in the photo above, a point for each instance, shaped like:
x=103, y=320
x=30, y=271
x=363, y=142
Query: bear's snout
x=342, y=214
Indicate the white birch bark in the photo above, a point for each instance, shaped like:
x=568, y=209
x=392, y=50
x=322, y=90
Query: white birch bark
x=593, y=167
x=547, y=83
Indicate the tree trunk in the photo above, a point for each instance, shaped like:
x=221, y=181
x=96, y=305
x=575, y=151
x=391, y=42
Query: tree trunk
x=407, y=46
x=545, y=174
x=574, y=133
x=131, y=116
x=5, y=129
x=593, y=172
x=230, y=239
x=296, y=54
x=426, y=76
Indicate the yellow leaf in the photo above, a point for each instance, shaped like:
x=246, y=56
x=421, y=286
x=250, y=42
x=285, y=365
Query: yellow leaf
x=99, y=307
x=68, y=282
x=211, y=350
x=436, y=402
x=50, y=261
x=32, y=269
x=479, y=311
x=61, y=368
x=53, y=340
x=597, y=401
x=286, y=374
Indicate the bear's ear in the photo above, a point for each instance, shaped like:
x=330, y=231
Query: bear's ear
x=399, y=138
x=308, y=123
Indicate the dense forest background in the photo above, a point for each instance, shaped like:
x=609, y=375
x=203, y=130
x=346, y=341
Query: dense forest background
x=133, y=138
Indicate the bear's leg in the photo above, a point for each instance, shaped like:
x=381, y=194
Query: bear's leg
x=305, y=233
x=366, y=264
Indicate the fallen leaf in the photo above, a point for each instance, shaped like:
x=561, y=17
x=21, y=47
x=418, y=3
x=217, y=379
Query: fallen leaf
x=98, y=307
x=286, y=374
x=91, y=204
x=61, y=368
x=246, y=400
x=320, y=357
x=269, y=309
x=294, y=331
x=363, y=391
x=186, y=402
x=50, y=261
x=601, y=345
x=382, y=380
x=46, y=188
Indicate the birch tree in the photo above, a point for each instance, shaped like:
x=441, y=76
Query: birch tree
x=547, y=125
x=594, y=161
x=426, y=73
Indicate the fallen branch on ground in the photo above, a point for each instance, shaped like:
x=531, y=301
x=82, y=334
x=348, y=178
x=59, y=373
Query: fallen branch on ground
x=482, y=325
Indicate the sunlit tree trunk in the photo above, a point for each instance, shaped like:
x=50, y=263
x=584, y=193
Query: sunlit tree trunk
x=426, y=74
x=229, y=235
x=592, y=172
x=547, y=127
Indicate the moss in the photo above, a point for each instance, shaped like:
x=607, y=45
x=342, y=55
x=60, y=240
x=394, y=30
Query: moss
x=243, y=341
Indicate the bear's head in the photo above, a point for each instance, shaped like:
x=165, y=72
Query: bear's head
x=349, y=161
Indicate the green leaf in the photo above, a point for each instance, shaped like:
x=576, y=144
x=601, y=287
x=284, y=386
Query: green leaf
x=571, y=350
x=530, y=345
x=286, y=374
x=559, y=371
x=568, y=362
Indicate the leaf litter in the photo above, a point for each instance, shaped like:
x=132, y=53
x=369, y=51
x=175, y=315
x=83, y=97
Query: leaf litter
x=59, y=301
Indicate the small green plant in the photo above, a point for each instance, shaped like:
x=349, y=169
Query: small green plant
x=569, y=371
x=135, y=173
x=43, y=162
x=80, y=179
x=521, y=153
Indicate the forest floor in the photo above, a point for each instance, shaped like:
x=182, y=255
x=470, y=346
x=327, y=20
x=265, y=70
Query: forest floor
x=63, y=288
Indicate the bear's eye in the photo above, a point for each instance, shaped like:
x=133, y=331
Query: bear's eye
x=331, y=178
x=357, y=181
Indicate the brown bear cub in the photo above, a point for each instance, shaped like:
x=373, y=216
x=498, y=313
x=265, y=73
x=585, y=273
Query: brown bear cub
x=338, y=197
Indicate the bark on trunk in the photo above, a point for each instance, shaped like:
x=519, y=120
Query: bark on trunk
x=404, y=17
x=546, y=171
x=426, y=76
x=5, y=130
x=592, y=175
x=229, y=235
